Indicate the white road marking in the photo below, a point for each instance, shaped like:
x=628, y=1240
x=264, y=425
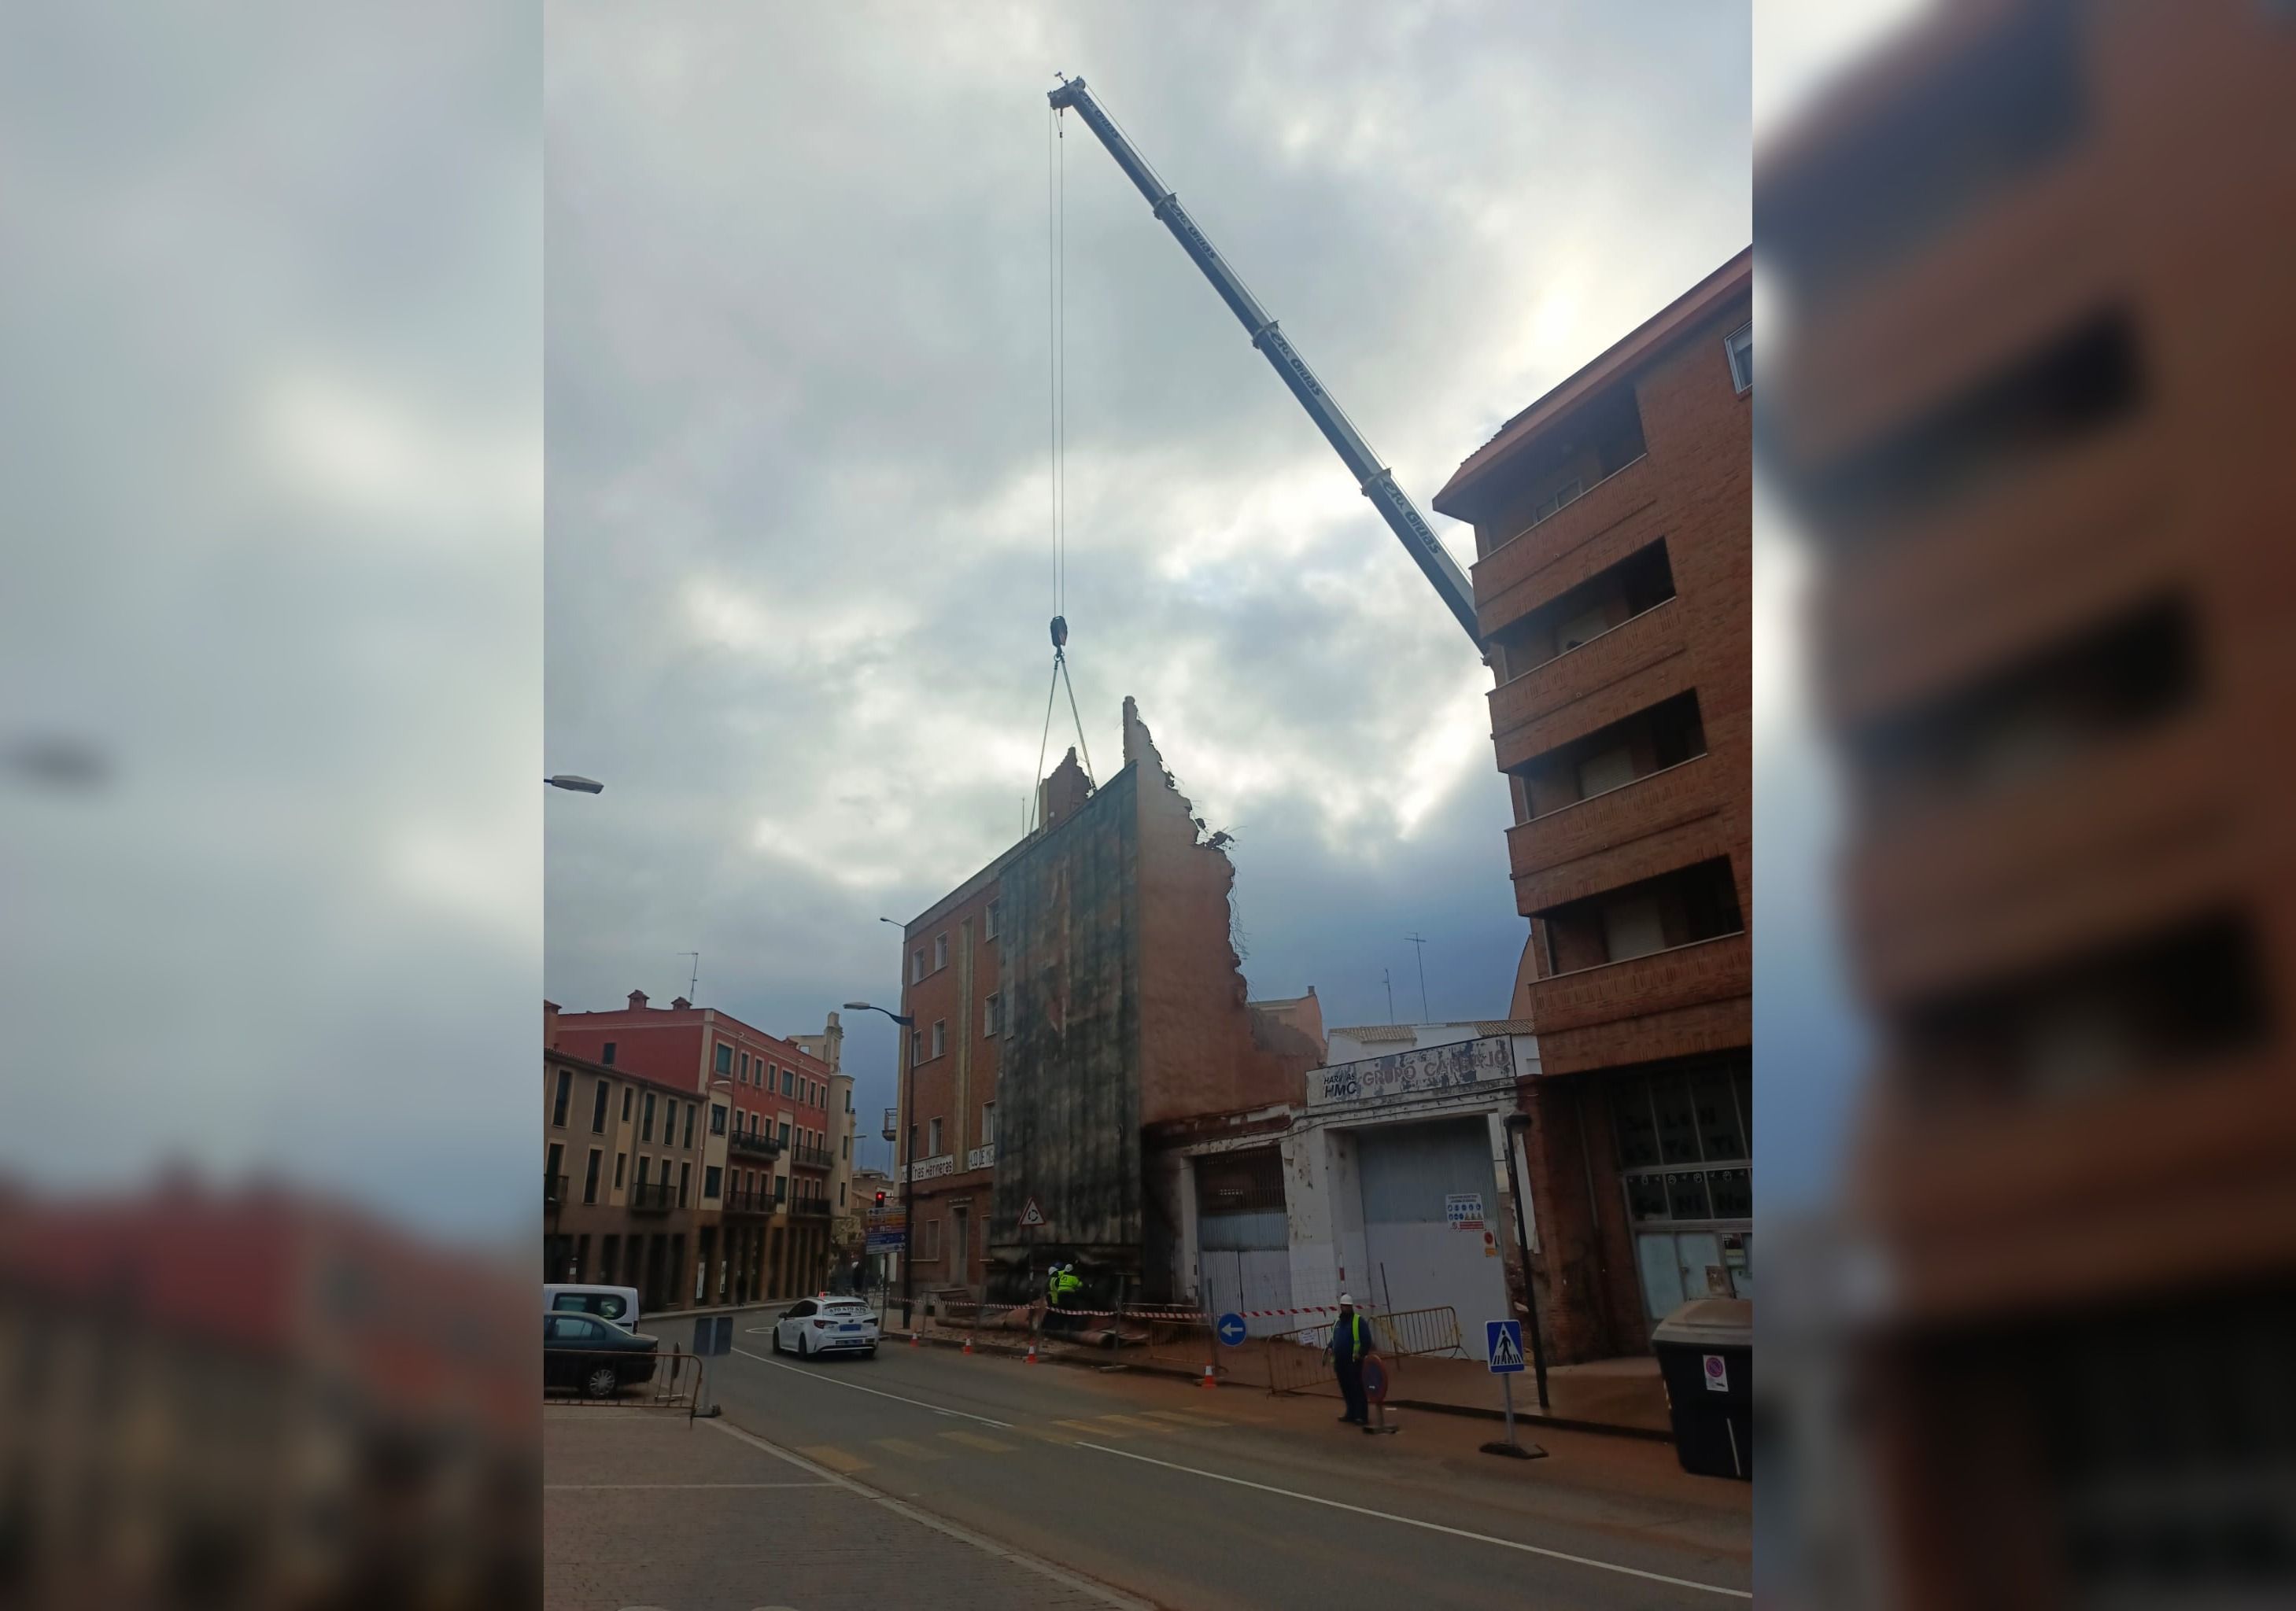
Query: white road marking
x=1413, y=1521
x=874, y=1392
x=680, y=1487
x=963, y=1535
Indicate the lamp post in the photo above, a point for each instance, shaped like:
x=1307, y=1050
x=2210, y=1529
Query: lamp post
x=900, y=1147
x=576, y=782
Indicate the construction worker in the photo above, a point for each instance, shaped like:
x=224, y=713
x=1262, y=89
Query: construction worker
x=1350, y=1344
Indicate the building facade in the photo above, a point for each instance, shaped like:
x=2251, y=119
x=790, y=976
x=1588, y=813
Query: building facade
x=1614, y=583
x=2035, y=431
x=1069, y=1002
x=761, y=1206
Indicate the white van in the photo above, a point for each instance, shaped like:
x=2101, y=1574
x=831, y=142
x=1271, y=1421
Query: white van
x=617, y=1305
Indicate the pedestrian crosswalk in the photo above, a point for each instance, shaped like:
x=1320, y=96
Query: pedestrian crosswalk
x=920, y=1451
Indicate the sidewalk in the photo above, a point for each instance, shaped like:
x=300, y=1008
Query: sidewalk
x=641, y=1508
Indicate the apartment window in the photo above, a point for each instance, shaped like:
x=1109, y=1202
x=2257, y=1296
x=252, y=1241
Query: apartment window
x=607, y=1056
x=590, y=1176
x=992, y=1014
x=716, y=1118
x=1611, y=598
x=724, y=1058
x=845, y=1148
x=788, y=1083
x=598, y=1110
x=916, y=1048
x=646, y=1125
x=840, y=1194
x=689, y=1126
x=1740, y=344
x=785, y=1132
x=745, y=1066
x=685, y=1175
x=645, y=1168
x=1663, y=735
x=781, y=1189
x=1678, y=908
x=564, y=1095
x=557, y=1162
x=916, y=964
x=620, y=1159
x=940, y=1037
x=627, y=1092
x=940, y=952
x=988, y=1123
x=934, y=1150
x=712, y=1179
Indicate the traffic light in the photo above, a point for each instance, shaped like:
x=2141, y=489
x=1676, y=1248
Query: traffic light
x=880, y=1199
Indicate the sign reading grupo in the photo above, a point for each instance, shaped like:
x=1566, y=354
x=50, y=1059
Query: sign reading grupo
x=1433, y=1069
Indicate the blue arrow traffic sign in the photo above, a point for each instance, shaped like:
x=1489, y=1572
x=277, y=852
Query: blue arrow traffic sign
x=1230, y=1329
x=1503, y=1341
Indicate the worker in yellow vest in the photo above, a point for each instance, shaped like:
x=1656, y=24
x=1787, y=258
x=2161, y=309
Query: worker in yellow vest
x=1350, y=1344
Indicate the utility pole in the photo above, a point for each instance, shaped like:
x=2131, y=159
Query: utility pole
x=1389, y=984
x=1419, y=941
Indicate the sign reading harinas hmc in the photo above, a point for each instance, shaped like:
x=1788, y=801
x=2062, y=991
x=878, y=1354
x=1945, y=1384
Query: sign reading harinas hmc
x=1489, y=1062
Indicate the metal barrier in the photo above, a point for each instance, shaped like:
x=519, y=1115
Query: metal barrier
x=1297, y=1362
x=574, y=1376
x=1175, y=1336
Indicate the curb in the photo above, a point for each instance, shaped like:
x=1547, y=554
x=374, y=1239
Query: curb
x=1531, y=1417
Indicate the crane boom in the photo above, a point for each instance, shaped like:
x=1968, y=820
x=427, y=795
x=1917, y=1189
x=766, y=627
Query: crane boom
x=1376, y=480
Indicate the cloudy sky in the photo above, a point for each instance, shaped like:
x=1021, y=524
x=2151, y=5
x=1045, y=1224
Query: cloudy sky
x=800, y=554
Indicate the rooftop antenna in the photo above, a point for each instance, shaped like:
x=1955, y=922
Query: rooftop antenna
x=1420, y=941
x=693, y=983
x=1390, y=994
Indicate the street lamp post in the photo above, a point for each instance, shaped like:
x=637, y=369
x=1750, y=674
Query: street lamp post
x=576, y=782
x=900, y=1147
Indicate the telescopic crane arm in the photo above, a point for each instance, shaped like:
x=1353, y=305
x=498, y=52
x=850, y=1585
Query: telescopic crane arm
x=1376, y=480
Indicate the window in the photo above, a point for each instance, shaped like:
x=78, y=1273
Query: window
x=645, y=1168
x=724, y=1058
x=565, y=1094
x=916, y=964
x=934, y=1151
x=607, y=1056
x=688, y=1142
x=988, y=1124
x=988, y=927
x=840, y=1194
x=781, y=1189
x=716, y=1118
x=627, y=1092
x=1740, y=344
x=940, y=1037
x=620, y=1159
x=916, y=1048
x=788, y=1083
x=990, y=1010
x=590, y=1176
x=557, y=1162
x=646, y=1125
x=598, y=1110
x=940, y=952
x=845, y=1148
x=712, y=1178
x=685, y=1175
x=785, y=1132
x=745, y=1066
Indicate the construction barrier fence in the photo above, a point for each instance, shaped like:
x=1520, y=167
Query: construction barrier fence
x=1297, y=1363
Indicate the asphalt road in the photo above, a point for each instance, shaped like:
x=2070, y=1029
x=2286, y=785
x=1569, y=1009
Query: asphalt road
x=1230, y=1498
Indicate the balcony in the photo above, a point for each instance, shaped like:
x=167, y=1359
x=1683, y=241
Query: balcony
x=554, y=1191
x=1644, y=643
x=754, y=1144
x=756, y=1203
x=1546, y=560
x=812, y=1158
x=811, y=1207
x=1671, y=815
x=1684, y=1000
x=652, y=1197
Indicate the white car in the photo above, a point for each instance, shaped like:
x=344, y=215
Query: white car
x=826, y=1325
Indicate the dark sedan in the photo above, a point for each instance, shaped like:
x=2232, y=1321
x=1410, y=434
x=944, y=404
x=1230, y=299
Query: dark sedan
x=585, y=1355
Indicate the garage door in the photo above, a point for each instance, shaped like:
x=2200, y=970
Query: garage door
x=1243, y=1245
x=1424, y=1186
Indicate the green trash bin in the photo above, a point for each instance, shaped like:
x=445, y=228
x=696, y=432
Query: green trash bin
x=1706, y=1356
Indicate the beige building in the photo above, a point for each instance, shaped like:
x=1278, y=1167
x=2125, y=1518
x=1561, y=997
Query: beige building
x=632, y=1184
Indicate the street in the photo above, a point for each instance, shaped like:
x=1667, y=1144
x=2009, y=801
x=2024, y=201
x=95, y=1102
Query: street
x=1144, y=1485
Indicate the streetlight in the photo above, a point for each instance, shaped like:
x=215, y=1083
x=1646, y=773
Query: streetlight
x=900, y=1051
x=577, y=783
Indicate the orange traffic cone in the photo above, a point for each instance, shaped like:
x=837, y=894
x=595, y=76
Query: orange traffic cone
x=1032, y=1352
x=913, y=1340
x=968, y=1345
x=1207, y=1381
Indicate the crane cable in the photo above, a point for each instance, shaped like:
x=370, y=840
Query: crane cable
x=1056, y=364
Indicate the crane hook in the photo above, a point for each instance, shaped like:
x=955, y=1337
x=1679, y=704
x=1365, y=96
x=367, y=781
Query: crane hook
x=1060, y=632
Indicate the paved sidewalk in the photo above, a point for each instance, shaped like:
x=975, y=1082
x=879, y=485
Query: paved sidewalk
x=642, y=1509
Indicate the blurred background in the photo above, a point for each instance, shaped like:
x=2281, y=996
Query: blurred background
x=2023, y=803
x=270, y=747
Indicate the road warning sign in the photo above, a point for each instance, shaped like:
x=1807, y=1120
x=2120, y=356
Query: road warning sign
x=1503, y=1342
x=1032, y=1215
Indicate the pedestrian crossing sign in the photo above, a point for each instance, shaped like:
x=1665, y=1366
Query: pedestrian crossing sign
x=1503, y=1342
x=1032, y=1215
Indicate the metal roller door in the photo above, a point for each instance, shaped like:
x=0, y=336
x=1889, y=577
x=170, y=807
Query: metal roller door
x=1243, y=1243
x=1420, y=1258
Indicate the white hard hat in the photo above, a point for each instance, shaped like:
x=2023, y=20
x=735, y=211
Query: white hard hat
x=1350, y=1302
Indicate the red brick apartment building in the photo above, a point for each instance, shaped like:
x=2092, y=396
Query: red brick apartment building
x=1613, y=582
x=2038, y=426
x=766, y=1222
x=1073, y=1001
